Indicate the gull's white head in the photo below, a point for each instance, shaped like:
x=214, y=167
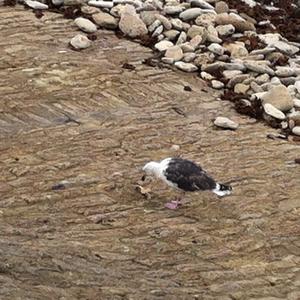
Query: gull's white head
x=152, y=168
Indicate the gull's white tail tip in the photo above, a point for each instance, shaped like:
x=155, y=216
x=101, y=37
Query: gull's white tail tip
x=222, y=189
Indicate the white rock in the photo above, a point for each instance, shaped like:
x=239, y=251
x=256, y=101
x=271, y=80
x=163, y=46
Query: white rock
x=216, y=84
x=226, y=123
x=273, y=111
x=36, y=4
x=175, y=147
x=80, y=41
x=189, y=57
x=279, y=97
x=284, y=71
x=174, y=52
x=206, y=76
x=177, y=24
x=163, y=45
x=296, y=130
x=58, y=2
x=296, y=102
x=193, y=13
x=168, y=60
x=105, y=20
x=85, y=25
x=196, y=41
x=187, y=47
x=225, y=30
x=258, y=67
x=216, y=48
x=202, y=4
x=101, y=3
x=154, y=25
x=159, y=30
x=186, y=67
x=173, y=10
x=182, y=38
x=164, y=21
x=131, y=24
x=286, y=48
x=228, y=74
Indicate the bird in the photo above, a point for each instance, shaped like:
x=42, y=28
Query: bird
x=185, y=176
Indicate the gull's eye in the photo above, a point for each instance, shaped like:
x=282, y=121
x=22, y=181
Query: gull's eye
x=143, y=178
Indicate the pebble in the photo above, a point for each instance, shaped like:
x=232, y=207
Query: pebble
x=195, y=30
x=177, y=24
x=58, y=2
x=284, y=71
x=216, y=48
x=175, y=53
x=105, y=20
x=36, y=4
x=206, y=19
x=239, y=23
x=228, y=74
x=273, y=111
x=159, y=30
x=85, y=25
x=237, y=49
x=189, y=57
x=285, y=48
x=187, y=47
x=101, y=3
x=196, y=41
x=186, y=67
x=225, y=30
x=206, y=76
x=296, y=103
x=171, y=35
x=226, y=123
x=182, y=38
x=168, y=60
x=296, y=130
x=202, y=4
x=163, y=45
x=279, y=97
x=241, y=88
x=80, y=41
x=216, y=84
x=258, y=67
x=175, y=147
x=191, y=13
x=262, y=78
x=221, y=7
x=131, y=24
x=164, y=21
x=173, y=10
x=148, y=17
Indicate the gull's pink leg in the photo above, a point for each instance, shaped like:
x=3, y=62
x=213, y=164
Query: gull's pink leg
x=174, y=204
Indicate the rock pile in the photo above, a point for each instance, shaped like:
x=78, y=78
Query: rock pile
x=259, y=72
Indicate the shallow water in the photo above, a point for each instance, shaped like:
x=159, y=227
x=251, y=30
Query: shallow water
x=80, y=118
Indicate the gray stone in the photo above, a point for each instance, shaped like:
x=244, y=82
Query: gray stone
x=159, y=30
x=163, y=45
x=131, y=24
x=164, y=21
x=105, y=20
x=279, y=97
x=226, y=123
x=296, y=130
x=171, y=35
x=216, y=84
x=239, y=24
x=286, y=48
x=154, y=25
x=237, y=49
x=216, y=48
x=187, y=47
x=273, y=111
x=296, y=102
x=189, y=57
x=225, y=30
x=186, y=67
x=202, y=4
x=206, y=19
x=221, y=7
x=58, y=2
x=148, y=17
x=196, y=41
x=284, y=71
x=174, y=52
x=177, y=24
x=101, y=3
x=263, y=51
x=35, y=4
x=182, y=38
x=258, y=67
x=241, y=88
x=264, y=78
x=237, y=79
x=168, y=60
x=195, y=30
x=80, y=41
x=206, y=76
x=173, y=10
x=228, y=74
x=193, y=13
x=85, y=25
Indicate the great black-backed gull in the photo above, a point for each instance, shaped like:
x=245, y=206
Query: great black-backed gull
x=186, y=176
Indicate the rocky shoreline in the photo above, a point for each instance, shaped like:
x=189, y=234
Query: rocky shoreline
x=247, y=58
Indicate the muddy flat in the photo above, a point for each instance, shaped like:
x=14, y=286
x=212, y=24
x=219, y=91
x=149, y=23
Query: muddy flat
x=76, y=128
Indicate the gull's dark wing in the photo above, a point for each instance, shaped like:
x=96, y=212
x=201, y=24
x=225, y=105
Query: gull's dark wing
x=188, y=176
